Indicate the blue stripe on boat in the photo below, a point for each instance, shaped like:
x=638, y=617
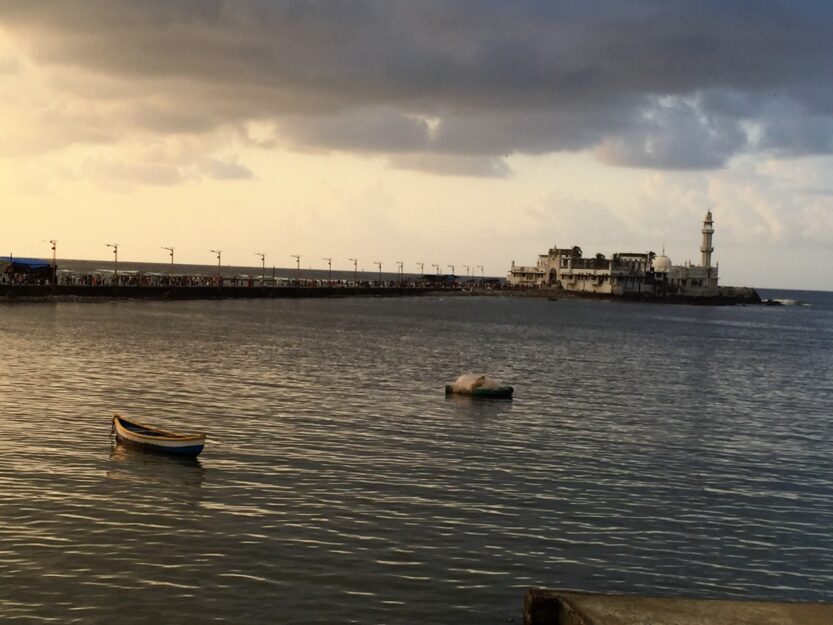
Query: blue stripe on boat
x=184, y=451
x=190, y=450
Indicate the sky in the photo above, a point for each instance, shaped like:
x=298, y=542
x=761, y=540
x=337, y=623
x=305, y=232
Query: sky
x=445, y=133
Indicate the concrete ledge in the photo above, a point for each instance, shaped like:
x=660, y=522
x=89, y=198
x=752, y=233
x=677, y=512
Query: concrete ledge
x=551, y=607
x=31, y=292
x=727, y=296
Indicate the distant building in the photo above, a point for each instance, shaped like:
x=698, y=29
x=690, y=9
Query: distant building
x=625, y=273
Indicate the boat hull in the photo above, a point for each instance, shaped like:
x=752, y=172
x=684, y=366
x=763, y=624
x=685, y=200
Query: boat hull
x=503, y=392
x=154, y=439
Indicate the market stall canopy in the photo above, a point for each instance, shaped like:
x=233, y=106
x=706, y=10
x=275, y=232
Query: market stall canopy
x=23, y=265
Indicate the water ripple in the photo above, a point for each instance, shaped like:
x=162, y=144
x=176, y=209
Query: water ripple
x=655, y=450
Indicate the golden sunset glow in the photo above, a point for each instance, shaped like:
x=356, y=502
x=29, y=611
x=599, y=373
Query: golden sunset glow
x=391, y=132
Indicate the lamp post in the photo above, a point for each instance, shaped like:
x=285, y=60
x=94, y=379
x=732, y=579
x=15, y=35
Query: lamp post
x=421, y=268
x=452, y=269
x=171, y=252
x=54, y=244
x=329, y=270
x=467, y=270
x=115, y=247
x=262, y=266
x=355, y=270
x=437, y=267
x=297, y=258
x=54, y=278
x=480, y=267
x=219, y=260
x=379, y=265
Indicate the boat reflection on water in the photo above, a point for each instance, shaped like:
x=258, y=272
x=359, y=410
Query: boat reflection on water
x=479, y=407
x=158, y=473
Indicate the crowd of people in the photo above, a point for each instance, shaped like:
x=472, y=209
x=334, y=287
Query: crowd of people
x=14, y=274
x=131, y=279
x=139, y=279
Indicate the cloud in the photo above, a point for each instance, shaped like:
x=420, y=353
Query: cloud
x=671, y=85
x=676, y=133
x=575, y=221
x=111, y=170
x=756, y=204
x=49, y=125
x=226, y=170
x=364, y=130
x=162, y=172
x=795, y=134
x=454, y=165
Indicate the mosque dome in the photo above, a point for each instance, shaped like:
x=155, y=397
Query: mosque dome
x=662, y=264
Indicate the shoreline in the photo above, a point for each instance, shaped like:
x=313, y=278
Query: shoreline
x=78, y=293
x=728, y=296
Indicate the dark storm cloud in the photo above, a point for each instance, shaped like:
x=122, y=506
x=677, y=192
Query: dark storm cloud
x=676, y=134
x=653, y=83
x=360, y=129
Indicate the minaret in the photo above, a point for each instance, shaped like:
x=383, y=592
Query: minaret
x=706, y=248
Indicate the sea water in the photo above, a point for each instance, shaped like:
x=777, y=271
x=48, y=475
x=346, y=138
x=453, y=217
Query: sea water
x=650, y=449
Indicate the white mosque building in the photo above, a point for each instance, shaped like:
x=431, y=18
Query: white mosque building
x=623, y=274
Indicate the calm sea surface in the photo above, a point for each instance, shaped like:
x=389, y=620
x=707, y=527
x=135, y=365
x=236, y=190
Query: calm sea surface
x=663, y=450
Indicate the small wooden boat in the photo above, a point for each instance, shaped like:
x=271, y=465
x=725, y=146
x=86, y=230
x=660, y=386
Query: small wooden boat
x=153, y=438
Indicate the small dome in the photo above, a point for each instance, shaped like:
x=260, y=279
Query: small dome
x=662, y=264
